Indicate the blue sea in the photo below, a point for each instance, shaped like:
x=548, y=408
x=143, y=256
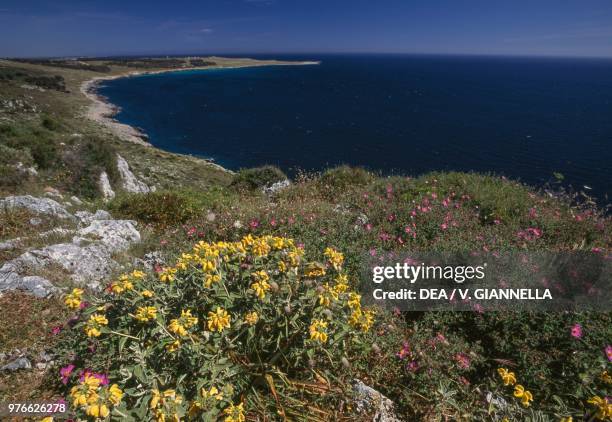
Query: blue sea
x=524, y=118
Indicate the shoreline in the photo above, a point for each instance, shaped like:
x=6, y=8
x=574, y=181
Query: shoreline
x=102, y=111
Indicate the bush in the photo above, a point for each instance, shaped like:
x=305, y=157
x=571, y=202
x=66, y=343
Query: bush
x=258, y=177
x=85, y=163
x=161, y=209
x=230, y=328
x=13, y=156
x=10, y=177
x=343, y=177
x=50, y=123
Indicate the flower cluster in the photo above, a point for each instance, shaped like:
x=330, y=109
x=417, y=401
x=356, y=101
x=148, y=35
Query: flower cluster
x=603, y=407
x=222, y=313
x=95, y=398
x=509, y=379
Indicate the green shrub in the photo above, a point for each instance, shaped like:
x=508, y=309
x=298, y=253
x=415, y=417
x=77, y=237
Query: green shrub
x=231, y=329
x=50, y=123
x=342, y=177
x=10, y=155
x=258, y=177
x=10, y=177
x=85, y=162
x=161, y=209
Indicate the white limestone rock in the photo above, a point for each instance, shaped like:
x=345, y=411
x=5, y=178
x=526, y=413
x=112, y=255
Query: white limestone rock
x=105, y=187
x=44, y=206
x=130, y=182
x=116, y=235
x=368, y=400
x=276, y=187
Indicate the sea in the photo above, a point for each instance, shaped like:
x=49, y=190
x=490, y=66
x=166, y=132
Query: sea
x=521, y=117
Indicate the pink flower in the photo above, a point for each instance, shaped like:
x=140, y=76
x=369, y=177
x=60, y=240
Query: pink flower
x=368, y=227
x=533, y=213
x=273, y=222
x=463, y=360
x=404, y=351
x=56, y=330
x=254, y=224
x=609, y=352
x=576, y=331
x=413, y=366
x=65, y=373
x=444, y=226
x=163, y=242
x=191, y=231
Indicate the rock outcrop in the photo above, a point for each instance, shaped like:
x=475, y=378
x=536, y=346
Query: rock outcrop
x=88, y=259
x=105, y=187
x=43, y=206
x=130, y=182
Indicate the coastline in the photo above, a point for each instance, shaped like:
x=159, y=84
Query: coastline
x=102, y=111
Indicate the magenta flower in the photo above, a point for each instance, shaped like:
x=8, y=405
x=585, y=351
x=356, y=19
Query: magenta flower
x=404, y=351
x=56, y=330
x=576, y=331
x=65, y=373
x=412, y=366
x=609, y=352
x=463, y=360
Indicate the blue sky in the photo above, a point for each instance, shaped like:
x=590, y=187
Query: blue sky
x=510, y=27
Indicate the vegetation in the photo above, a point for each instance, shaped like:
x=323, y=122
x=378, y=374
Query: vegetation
x=433, y=365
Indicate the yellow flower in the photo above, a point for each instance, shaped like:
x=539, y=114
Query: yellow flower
x=138, y=274
x=167, y=275
x=147, y=293
x=73, y=300
x=362, y=319
x=251, y=318
x=567, y=419
x=174, y=346
x=95, y=322
x=605, y=377
x=209, y=279
x=524, y=395
x=282, y=267
x=261, y=287
x=335, y=258
x=508, y=377
x=115, y=394
x=354, y=301
x=318, y=329
x=180, y=325
x=315, y=270
x=327, y=296
x=213, y=392
x=218, y=320
x=47, y=419
x=146, y=313
x=604, y=409
x=261, y=247
x=96, y=410
x=234, y=413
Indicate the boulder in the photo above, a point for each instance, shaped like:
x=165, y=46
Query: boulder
x=19, y=363
x=116, y=235
x=85, y=217
x=370, y=401
x=276, y=187
x=44, y=206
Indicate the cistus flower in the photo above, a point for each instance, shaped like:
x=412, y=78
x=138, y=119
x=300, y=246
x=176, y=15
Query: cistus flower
x=576, y=331
x=65, y=373
x=608, y=351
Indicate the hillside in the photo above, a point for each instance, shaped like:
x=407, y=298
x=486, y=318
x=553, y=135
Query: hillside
x=60, y=230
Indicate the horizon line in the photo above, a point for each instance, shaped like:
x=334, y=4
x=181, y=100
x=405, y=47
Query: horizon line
x=302, y=53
